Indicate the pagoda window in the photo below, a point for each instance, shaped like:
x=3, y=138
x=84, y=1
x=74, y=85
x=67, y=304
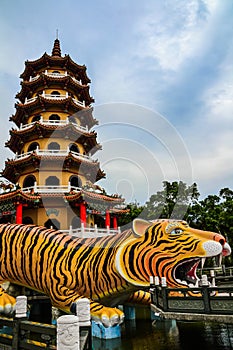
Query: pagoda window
x=33, y=146
x=56, y=72
x=74, y=148
x=75, y=182
x=52, y=181
x=55, y=93
x=54, y=146
x=27, y=220
x=52, y=223
x=54, y=117
x=29, y=181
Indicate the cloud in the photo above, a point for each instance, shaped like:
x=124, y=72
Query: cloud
x=173, y=32
x=209, y=137
x=140, y=147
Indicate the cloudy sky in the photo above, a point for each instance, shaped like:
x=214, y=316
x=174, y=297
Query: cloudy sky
x=162, y=79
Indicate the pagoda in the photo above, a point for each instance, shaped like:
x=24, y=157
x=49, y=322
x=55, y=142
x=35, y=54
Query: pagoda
x=51, y=180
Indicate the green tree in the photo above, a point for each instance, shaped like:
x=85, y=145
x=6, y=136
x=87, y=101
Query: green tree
x=226, y=215
x=205, y=214
x=172, y=202
x=134, y=211
x=215, y=213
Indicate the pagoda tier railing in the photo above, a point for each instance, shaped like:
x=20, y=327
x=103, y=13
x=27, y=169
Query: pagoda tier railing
x=54, y=122
x=56, y=75
x=58, y=189
x=51, y=188
x=88, y=232
x=54, y=97
x=54, y=152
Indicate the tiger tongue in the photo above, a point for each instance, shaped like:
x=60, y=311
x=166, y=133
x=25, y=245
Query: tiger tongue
x=191, y=274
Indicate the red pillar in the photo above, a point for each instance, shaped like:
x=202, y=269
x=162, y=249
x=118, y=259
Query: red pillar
x=107, y=219
x=19, y=213
x=83, y=216
x=115, y=223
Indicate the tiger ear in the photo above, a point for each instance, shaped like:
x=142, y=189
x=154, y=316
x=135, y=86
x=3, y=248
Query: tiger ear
x=140, y=226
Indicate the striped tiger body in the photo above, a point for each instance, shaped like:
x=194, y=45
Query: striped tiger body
x=108, y=270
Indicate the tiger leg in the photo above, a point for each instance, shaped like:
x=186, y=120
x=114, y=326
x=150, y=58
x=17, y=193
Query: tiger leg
x=140, y=297
x=108, y=316
x=7, y=302
x=99, y=313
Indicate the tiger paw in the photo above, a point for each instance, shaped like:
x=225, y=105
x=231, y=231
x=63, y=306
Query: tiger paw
x=7, y=303
x=108, y=316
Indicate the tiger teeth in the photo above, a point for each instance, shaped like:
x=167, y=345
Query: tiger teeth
x=203, y=262
x=182, y=282
x=218, y=260
x=191, y=285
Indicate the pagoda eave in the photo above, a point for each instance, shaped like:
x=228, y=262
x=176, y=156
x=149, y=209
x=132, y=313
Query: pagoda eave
x=43, y=79
x=18, y=195
x=45, y=104
x=34, y=158
x=13, y=168
x=72, y=197
x=119, y=211
x=89, y=197
x=69, y=130
x=47, y=61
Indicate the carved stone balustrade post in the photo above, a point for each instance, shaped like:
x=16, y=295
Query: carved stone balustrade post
x=68, y=333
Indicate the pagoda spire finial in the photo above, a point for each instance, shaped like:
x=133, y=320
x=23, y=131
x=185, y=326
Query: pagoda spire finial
x=56, y=47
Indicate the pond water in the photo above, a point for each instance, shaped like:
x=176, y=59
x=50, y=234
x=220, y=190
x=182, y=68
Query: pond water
x=169, y=335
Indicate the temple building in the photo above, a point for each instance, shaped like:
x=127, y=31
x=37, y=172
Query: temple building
x=51, y=180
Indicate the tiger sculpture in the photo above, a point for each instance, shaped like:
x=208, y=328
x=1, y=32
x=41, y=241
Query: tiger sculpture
x=108, y=270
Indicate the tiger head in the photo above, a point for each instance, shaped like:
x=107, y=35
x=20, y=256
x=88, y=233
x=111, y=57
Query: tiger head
x=167, y=248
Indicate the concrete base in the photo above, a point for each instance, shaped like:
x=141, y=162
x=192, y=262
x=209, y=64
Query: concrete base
x=99, y=331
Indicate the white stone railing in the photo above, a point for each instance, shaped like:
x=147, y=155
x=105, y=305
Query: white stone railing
x=55, y=97
x=56, y=75
x=91, y=232
x=84, y=156
x=22, y=155
x=55, y=189
x=50, y=188
x=54, y=122
x=79, y=102
x=29, y=100
x=34, y=78
x=54, y=152
x=65, y=330
x=77, y=81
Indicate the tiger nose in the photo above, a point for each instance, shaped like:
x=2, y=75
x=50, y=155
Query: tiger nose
x=219, y=238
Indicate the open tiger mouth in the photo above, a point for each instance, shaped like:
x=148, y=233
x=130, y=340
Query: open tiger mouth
x=185, y=273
